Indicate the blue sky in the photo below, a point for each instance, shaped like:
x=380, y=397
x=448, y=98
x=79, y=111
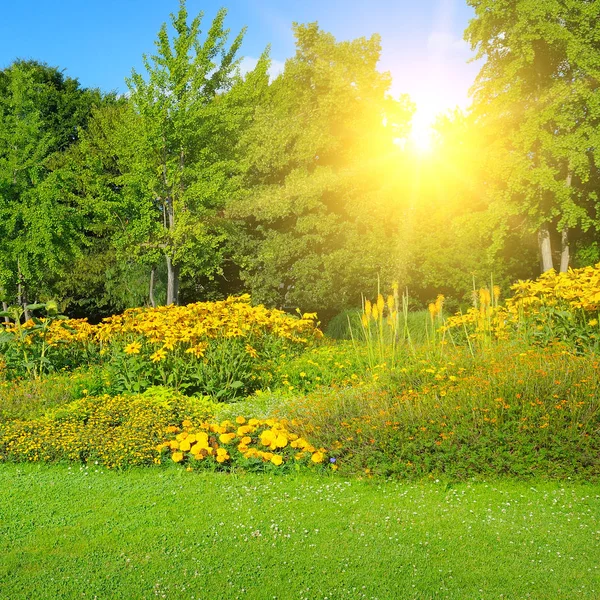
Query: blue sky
x=99, y=41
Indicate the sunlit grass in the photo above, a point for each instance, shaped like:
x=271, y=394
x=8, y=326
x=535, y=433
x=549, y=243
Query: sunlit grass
x=71, y=532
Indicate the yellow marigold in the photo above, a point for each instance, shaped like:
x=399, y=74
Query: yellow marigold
x=277, y=459
x=317, y=457
x=280, y=441
x=240, y=420
x=266, y=437
x=177, y=456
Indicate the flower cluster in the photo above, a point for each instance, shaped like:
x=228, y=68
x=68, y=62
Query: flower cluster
x=554, y=306
x=60, y=331
x=250, y=443
x=115, y=431
x=192, y=325
x=578, y=288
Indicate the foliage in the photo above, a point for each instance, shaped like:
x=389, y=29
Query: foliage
x=42, y=224
x=174, y=146
x=519, y=412
x=317, y=210
x=556, y=306
x=536, y=100
x=114, y=431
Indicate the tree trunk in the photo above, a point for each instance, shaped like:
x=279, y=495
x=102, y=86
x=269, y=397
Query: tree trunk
x=545, y=248
x=21, y=297
x=5, y=309
x=151, y=290
x=172, y=282
x=565, y=250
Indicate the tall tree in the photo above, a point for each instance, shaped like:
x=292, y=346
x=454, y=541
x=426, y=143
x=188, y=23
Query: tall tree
x=41, y=115
x=177, y=143
x=537, y=96
x=318, y=213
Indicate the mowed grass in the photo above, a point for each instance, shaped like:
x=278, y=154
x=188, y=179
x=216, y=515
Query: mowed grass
x=75, y=532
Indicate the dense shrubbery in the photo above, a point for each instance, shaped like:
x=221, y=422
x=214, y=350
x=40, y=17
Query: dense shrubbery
x=141, y=429
x=115, y=431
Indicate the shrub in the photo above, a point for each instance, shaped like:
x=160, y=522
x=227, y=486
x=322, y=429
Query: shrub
x=556, y=306
x=522, y=413
x=114, y=431
x=31, y=398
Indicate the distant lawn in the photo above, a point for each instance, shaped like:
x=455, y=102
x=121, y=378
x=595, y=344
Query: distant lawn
x=165, y=533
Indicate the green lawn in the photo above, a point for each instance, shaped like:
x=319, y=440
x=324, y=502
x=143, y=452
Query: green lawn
x=71, y=532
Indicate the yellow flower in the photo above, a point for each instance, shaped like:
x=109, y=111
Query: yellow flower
x=276, y=459
x=240, y=420
x=158, y=355
x=251, y=351
x=226, y=438
x=177, y=456
x=317, y=457
x=280, y=441
x=133, y=348
x=266, y=438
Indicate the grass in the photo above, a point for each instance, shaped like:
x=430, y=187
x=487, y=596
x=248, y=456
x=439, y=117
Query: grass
x=29, y=399
x=75, y=532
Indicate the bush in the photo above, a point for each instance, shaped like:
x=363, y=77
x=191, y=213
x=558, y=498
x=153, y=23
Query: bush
x=114, y=431
x=521, y=413
x=226, y=349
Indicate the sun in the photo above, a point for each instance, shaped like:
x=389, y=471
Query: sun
x=421, y=134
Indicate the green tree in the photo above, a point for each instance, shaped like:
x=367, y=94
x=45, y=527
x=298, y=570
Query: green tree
x=41, y=115
x=318, y=213
x=176, y=145
x=537, y=100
